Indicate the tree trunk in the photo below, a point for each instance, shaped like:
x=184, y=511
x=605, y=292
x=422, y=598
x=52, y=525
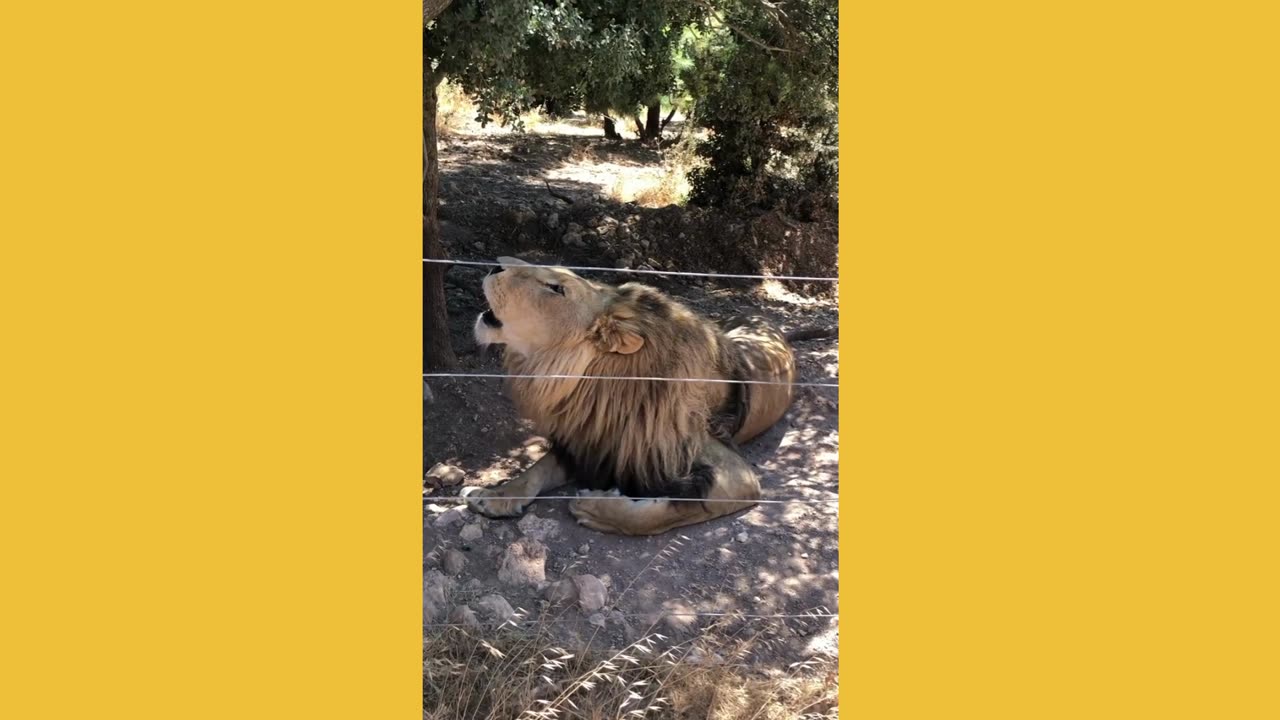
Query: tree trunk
x=432, y=8
x=437, y=350
x=653, y=122
x=611, y=129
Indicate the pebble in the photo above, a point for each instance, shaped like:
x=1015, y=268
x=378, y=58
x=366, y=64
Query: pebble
x=465, y=616
x=592, y=593
x=540, y=529
x=496, y=607
x=453, y=562
x=563, y=591
x=449, y=518
x=523, y=563
x=471, y=532
x=742, y=537
x=444, y=475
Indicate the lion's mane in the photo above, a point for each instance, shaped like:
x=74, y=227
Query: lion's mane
x=642, y=436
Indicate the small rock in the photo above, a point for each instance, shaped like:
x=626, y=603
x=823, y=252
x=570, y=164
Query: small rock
x=552, y=221
x=607, y=580
x=449, y=518
x=442, y=475
x=478, y=246
x=435, y=595
x=742, y=537
x=523, y=563
x=592, y=593
x=453, y=562
x=539, y=529
x=586, y=548
x=698, y=656
x=496, y=607
x=471, y=533
x=564, y=591
x=597, y=620
x=465, y=616
x=622, y=265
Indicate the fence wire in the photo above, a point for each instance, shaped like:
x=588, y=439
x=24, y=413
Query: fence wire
x=681, y=273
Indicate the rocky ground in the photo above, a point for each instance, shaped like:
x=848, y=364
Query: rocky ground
x=601, y=589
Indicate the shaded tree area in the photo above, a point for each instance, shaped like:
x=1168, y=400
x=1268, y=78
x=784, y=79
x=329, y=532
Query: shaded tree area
x=760, y=76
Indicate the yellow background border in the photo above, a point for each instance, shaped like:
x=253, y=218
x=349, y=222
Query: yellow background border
x=1059, y=391
x=1059, y=398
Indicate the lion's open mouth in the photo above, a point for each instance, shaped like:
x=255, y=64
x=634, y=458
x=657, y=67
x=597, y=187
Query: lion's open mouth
x=490, y=319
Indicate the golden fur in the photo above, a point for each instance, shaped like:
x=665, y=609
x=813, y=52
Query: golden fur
x=642, y=438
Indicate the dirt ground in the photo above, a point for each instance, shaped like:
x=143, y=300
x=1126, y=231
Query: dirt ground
x=772, y=559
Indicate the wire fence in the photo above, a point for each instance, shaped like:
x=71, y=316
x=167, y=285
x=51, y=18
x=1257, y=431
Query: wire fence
x=531, y=498
x=639, y=271
x=797, y=383
x=651, y=616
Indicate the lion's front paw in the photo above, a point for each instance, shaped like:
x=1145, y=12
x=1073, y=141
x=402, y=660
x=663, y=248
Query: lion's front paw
x=490, y=503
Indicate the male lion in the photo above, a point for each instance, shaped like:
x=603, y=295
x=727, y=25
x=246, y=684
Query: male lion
x=645, y=439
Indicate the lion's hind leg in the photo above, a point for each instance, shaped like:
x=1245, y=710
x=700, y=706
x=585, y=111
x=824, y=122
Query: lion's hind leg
x=734, y=487
x=511, y=497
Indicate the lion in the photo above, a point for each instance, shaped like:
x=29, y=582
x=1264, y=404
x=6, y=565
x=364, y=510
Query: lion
x=640, y=450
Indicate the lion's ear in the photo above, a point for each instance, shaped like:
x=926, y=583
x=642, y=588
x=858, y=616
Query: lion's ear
x=615, y=333
x=627, y=343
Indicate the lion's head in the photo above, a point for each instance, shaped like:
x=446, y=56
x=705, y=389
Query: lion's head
x=534, y=309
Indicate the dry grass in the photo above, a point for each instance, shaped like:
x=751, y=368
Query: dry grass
x=455, y=110
x=668, y=186
x=521, y=674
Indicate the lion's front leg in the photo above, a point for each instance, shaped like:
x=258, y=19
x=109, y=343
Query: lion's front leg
x=508, y=499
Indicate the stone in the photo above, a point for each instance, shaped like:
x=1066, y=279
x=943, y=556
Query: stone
x=444, y=475
x=597, y=619
x=464, y=615
x=561, y=592
x=592, y=594
x=496, y=607
x=540, y=529
x=435, y=595
x=453, y=562
x=450, y=518
x=742, y=537
x=552, y=221
x=523, y=563
x=584, y=549
x=471, y=533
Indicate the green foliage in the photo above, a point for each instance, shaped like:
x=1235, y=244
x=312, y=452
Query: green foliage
x=759, y=75
x=599, y=56
x=765, y=82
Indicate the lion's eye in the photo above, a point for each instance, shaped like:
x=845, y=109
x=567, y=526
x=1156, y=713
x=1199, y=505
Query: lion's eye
x=558, y=289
